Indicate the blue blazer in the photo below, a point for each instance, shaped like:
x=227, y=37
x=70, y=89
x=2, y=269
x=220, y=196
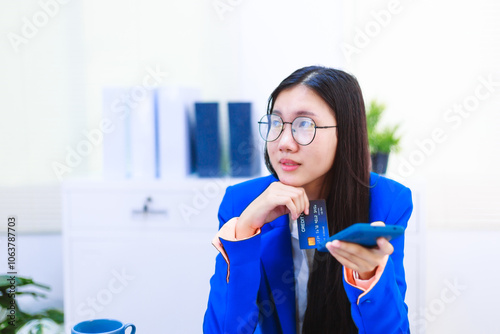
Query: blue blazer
x=260, y=294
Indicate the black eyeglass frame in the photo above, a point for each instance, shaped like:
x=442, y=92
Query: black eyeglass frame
x=291, y=125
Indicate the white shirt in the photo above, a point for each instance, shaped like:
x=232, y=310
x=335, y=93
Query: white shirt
x=302, y=261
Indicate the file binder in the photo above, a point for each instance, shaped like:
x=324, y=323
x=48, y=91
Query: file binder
x=208, y=148
x=243, y=153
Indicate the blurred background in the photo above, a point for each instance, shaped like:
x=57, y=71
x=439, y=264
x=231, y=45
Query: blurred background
x=434, y=64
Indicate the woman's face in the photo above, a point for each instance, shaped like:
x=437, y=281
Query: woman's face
x=303, y=166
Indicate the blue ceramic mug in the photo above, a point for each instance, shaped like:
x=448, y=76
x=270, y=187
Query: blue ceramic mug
x=101, y=326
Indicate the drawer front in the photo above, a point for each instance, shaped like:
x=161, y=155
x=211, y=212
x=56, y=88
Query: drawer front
x=111, y=209
x=158, y=283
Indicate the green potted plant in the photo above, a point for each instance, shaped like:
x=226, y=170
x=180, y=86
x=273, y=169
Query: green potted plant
x=382, y=141
x=46, y=321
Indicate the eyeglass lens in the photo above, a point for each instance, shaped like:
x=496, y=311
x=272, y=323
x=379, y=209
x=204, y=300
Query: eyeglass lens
x=303, y=129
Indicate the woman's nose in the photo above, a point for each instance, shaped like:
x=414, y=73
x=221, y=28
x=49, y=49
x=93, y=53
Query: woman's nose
x=286, y=140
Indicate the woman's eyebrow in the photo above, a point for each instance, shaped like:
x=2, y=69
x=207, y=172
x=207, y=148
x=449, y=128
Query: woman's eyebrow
x=297, y=113
x=305, y=113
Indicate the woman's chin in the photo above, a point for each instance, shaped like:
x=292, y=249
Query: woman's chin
x=289, y=180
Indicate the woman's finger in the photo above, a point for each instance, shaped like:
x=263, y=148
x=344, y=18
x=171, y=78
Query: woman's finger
x=361, y=257
x=306, y=202
x=385, y=246
x=345, y=261
x=298, y=197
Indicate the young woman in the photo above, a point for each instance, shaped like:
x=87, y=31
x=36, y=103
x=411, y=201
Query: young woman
x=316, y=148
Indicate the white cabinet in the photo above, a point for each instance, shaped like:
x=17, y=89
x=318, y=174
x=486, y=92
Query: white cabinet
x=149, y=266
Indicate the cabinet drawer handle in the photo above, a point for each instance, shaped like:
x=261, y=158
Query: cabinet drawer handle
x=146, y=209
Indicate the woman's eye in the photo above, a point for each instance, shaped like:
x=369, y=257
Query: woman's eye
x=275, y=124
x=305, y=124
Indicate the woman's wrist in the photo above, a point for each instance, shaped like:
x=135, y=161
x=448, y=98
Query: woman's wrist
x=366, y=275
x=244, y=230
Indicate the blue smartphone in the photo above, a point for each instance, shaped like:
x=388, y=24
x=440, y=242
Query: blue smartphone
x=364, y=234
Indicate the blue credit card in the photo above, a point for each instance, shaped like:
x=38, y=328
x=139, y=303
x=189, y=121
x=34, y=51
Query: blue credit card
x=313, y=228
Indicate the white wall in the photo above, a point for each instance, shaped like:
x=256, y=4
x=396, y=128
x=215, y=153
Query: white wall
x=459, y=298
x=41, y=80
x=427, y=60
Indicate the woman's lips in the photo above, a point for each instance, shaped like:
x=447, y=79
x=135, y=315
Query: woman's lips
x=288, y=165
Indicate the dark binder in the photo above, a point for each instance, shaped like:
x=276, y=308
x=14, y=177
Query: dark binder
x=208, y=150
x=244, y=155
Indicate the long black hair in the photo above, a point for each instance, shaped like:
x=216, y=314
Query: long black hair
x=346, y=191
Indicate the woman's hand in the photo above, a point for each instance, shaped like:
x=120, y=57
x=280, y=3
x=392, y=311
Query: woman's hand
x=277, y=200
x=361, y=259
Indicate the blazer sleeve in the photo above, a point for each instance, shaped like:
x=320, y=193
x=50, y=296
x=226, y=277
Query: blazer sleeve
x=232, y=303
x=382, y=309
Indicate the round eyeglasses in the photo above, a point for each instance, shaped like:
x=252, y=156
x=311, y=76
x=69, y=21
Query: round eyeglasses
x=303, y=128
